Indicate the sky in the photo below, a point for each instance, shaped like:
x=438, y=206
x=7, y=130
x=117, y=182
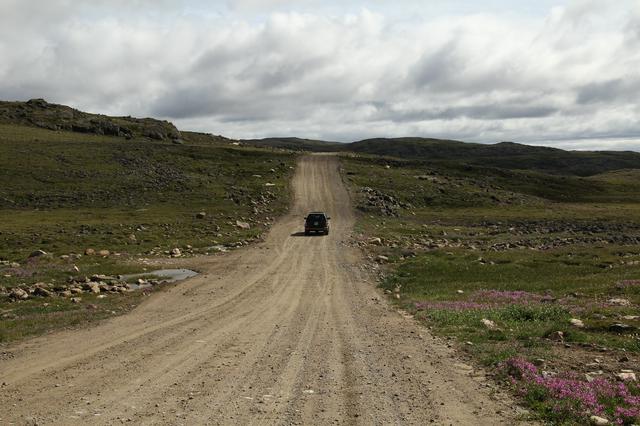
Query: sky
x=557, y=73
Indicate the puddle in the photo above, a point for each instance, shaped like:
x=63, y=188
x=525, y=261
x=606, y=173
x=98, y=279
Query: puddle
x=162, y=276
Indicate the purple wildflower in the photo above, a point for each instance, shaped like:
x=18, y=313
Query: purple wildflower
x=568, y=396
x=452, y=305
x=506, y=296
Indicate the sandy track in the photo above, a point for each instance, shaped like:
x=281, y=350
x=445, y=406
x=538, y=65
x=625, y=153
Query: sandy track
x=290, y=331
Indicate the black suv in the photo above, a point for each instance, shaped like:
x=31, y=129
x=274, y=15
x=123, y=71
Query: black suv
x=317, y=222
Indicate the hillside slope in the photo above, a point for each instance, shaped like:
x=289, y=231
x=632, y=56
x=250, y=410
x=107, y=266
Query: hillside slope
x=506, y=155
x=40, y=113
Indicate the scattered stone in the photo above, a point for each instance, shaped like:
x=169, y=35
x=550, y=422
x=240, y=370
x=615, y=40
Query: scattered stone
x=460, y=291
x=42, y=292
x=76, y=299
x=100, y=277
x=489, y=324
x=201, y=215
x=176, y=252
x=619, y=302
x=92, y=287
x=38, y=253
x=89, y=252
x=104, y=253
x=18, y=294
x=598, y=421
x=66, y=293
x=14, y=265
x=621, y=328
x=592, y=375
x=557, y=336
x=576, y=322
x=631, y=317
x=376, y=241
x=626, y=375
x=132, y=237
x=242, y=225
x=382, y=259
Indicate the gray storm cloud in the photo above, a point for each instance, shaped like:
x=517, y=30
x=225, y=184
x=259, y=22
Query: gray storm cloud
x=483, y=77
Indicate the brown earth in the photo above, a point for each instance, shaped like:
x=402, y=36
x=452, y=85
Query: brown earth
x=290, y=331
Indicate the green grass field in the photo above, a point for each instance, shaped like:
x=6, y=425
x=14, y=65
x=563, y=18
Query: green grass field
x=65, y=192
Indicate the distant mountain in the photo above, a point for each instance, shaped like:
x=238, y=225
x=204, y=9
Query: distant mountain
x=503, y=155
x=296, y=144
x=40, y=113
x=506, y=155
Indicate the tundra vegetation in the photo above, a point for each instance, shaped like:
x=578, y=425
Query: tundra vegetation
x=92, y=197
x=534, y=274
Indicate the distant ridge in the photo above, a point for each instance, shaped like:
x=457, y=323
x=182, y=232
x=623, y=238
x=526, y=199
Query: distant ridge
x=503, y=155
x=40, y=113
x=506, y=155
x=296, y=144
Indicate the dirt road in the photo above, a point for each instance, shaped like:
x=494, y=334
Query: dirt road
x=290, y=331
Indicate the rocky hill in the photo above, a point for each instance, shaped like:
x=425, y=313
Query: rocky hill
x=42, y=114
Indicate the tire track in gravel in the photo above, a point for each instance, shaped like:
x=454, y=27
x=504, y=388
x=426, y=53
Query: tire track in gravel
x=289, y=331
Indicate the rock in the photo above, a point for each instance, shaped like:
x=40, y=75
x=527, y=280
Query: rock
x=460, y=291
x=376, y=241
x=38, y=253
x=42, y=292
x=269, y=184
x=626, y=375
x=76, y=299
x=132, y=237
x=382, y=259
x=92, y=287
x=99, y=277
x=242, y=225
x=14, y=265
x=631, y=317
x=621, y=328
x=576, y=322
x=104, y=253
x=490, y=325
x=201, y=215
x=89, y=252
x=66, y=293
x=598, y=421
x=619, y=302
x=176, y=252
x=557, y=336
x=592, y=375
x=18, y=294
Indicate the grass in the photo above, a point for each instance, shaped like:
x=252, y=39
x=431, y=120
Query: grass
x=501, y=260
x=38, y=316
x=64, y=192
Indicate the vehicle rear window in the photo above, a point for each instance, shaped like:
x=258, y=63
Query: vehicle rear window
x=315, y=218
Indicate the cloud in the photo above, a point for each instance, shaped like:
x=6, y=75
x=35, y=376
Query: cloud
x=248, y=68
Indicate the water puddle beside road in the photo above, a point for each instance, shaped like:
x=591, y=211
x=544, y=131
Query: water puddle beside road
x=161, y=276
